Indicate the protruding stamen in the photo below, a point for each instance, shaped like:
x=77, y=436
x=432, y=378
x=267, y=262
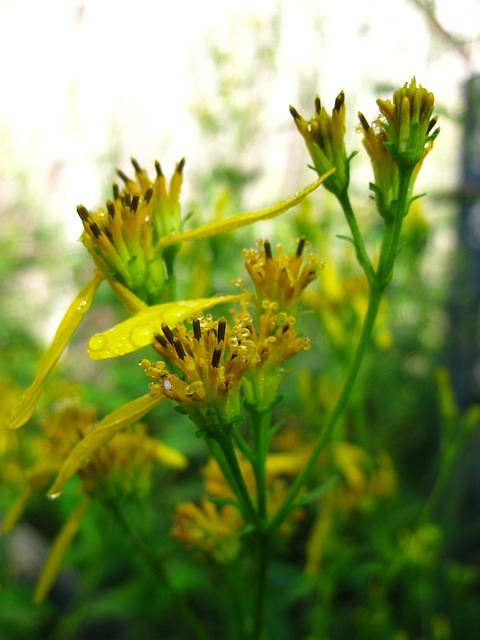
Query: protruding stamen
x=179, y=348
x=123, y=176
x=217, y=352
x=136, y=166
x=197, y=329
x=180, y=165
x=94, y=228
x=148, y=195
x=167, y=332
x=318, y=105
x=222, y=326
x=134, y=204
x=339, y=101
x=158, y=169
x=363, y=122
x=83, y=213
x=294, y=113
x=111, y=208
x=116, y=191
x=128, y=199
x=268, y=249
x=160, y=339
x=301, y=246
x=431, y=124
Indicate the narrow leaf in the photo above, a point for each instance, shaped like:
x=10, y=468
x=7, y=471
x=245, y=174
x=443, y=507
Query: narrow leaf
x=242, y=219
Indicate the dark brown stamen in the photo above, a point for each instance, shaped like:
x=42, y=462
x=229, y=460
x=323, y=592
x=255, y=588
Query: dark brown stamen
x=136, y=166
x=160, y=339
x=167, y=332
x=301, y=246
x=158, y=169
x=197, y=329
x=123, y=176
x=148, y=195
x=111, y=208
x=431, y=124
x=179, y=348
x=363, y=122
x=268, y=250
x=180, y=165
x=94, y=228
x=222, y=326
x=134, y=204
x=294, y=113
x=217, y=352
x=116, y=191
x=318, y=105
x=83, y=213
x=339, y=101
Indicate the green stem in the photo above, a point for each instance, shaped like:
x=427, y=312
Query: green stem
x=263, y=557
x=237, y=481
x=361, y=252
x=154, y=562
x=260, y=431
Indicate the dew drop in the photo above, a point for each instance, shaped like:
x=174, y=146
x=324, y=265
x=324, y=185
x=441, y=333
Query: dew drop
x=97, y=342
x=54, y=496
x=141, y=335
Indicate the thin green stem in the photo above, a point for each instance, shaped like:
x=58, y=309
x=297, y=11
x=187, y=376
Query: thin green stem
x=361, y=252
x=237, y=481
x=155, y=563
x=260, y=432
x=263, y=557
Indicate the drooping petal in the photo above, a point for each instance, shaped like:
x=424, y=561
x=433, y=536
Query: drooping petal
x=167, y=456
x=138, y=332
x=105, y=430
x=242, y=219
x=74, y=314
x=57, y=551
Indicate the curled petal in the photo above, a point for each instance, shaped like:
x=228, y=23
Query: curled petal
x=105, y=430
x=139, y=331
x=75, y=312
x=242, y=219
x=57, y=552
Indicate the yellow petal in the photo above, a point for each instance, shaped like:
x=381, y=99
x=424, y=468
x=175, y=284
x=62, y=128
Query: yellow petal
x=57, y=552
x=167, y=456
x=138, y=332
x=75, y=312
x=105, y=430
x=242, y=219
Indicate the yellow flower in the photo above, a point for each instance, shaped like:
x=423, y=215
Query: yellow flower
x=125, y=463
x=212, y=358
x=131, y=242
x=215, y=531
x=324, y=136
x=409, y=126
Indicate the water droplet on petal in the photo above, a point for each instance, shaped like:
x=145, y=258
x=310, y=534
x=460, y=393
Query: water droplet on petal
x=141, y=335
x=97, y=342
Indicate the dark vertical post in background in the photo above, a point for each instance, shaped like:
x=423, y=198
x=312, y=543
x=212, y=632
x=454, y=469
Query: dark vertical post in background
x=464, y=339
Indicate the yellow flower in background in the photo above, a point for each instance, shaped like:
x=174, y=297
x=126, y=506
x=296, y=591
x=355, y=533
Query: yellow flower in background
x=133, y=243
x=124, y=464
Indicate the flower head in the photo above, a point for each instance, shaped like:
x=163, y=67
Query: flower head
x=211, y=359
x=324, y=136
x=123, y=239
x=409, y=126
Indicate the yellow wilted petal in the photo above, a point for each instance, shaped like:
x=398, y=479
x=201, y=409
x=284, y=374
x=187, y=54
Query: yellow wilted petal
x=105, y=430
x=138, y=332
x=57, y=552
x=242, y=219
x=75, y=312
